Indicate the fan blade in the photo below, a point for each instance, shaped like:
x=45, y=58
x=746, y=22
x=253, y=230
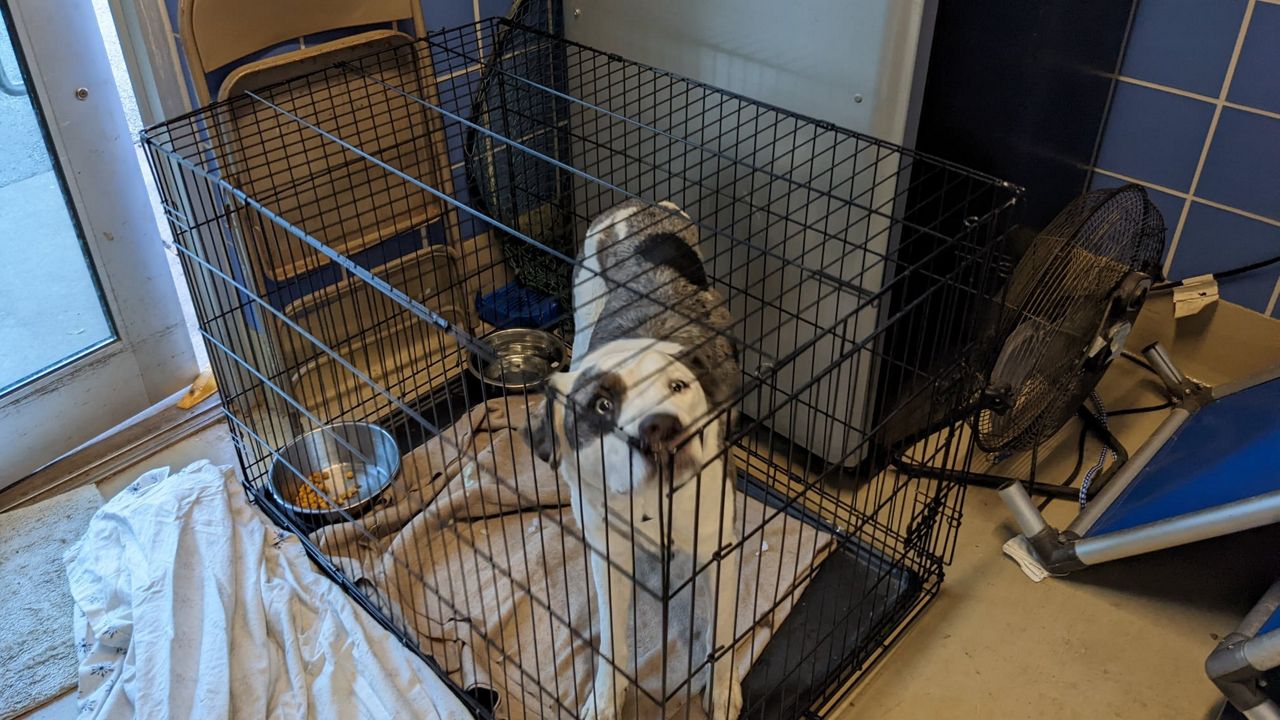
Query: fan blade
x=1012, y=366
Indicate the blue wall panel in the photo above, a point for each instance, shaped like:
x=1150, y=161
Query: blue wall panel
x=1177, y=64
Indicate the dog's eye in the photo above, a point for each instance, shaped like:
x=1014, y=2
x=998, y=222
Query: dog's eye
x=678, y=386
x=604, y=406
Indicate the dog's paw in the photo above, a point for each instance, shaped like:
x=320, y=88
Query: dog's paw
x=724, y=702
x=599, y=707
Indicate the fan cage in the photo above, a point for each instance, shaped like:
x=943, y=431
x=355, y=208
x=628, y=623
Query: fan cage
x=1063, y=291
x=856, y=272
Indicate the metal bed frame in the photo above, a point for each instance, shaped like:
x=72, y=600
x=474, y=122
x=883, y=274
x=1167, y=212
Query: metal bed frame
x=1109, y=529
x=1242, y=664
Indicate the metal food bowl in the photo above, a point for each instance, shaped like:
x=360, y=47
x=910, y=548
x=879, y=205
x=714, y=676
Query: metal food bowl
x=525, y=359
x=358, y=457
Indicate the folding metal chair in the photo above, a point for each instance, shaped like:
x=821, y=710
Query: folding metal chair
x=235, y=47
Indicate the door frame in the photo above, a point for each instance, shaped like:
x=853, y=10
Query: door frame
x=149, y=44
x=151, y=357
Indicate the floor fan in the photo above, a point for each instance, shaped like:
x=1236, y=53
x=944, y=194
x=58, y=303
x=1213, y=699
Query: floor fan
x=1062, y=319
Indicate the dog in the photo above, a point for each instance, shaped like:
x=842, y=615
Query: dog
x=637, y=429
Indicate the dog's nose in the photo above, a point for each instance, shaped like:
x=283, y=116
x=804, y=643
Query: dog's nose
x=659, y=431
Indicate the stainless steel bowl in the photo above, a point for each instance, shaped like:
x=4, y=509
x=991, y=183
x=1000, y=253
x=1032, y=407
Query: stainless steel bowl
x=359, y=455
x=525, y=359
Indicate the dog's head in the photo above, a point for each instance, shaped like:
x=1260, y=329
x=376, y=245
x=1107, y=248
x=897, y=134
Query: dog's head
x=626, y=415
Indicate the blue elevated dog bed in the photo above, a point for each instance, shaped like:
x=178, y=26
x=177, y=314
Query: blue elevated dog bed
x=1227, y=452
x=1212, y=468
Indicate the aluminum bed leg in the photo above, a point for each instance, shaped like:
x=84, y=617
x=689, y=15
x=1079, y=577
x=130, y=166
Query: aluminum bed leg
x=1181, y=530
x=1241, y=659
x=1063, y=552
x=1056, y=550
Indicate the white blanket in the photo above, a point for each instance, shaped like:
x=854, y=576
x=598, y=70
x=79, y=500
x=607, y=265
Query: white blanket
x=190, y=605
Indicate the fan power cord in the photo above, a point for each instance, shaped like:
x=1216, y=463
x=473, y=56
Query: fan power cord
x=1092, y=472
x=1084, y=436
x=1221, y=274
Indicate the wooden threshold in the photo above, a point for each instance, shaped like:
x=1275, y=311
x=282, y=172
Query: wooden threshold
x=131, y=442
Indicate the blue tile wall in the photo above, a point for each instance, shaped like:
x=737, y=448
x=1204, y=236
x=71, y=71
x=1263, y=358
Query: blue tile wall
x=1184, y=44
x=1216, y=239
x=1257, y=78
x=1243, y=167
x=1155, y=135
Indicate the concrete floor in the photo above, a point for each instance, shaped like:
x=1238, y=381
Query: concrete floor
x=1123, y=640
x=24, y=153
x=1126, y=640
x=214, y=444
x=49, y=303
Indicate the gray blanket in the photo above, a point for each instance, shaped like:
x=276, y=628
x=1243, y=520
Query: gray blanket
x=478, y=555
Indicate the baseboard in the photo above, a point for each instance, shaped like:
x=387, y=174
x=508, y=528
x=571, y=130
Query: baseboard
x=126, y=444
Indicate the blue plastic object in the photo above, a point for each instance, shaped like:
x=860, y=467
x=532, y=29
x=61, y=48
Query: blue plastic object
x=1272, y=623
x=512, y=306
x=1228, y=451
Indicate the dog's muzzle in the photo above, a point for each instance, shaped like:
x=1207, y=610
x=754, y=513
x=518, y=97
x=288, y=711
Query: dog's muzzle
x=659, y=433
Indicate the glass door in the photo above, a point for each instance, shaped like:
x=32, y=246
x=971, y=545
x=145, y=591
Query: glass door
x=51, y=308
x=91, y=331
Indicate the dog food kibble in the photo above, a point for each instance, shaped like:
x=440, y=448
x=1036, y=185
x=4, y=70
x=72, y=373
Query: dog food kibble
x=309, y=499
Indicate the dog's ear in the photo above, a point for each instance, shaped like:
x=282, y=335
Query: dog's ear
x=718, y=378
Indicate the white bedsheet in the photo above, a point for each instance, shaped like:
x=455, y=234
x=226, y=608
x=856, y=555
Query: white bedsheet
x=190, y=604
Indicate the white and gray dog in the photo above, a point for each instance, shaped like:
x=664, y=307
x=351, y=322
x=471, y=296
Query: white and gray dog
x=640, y=435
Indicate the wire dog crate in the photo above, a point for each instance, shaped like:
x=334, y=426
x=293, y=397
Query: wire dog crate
x=852, y=271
